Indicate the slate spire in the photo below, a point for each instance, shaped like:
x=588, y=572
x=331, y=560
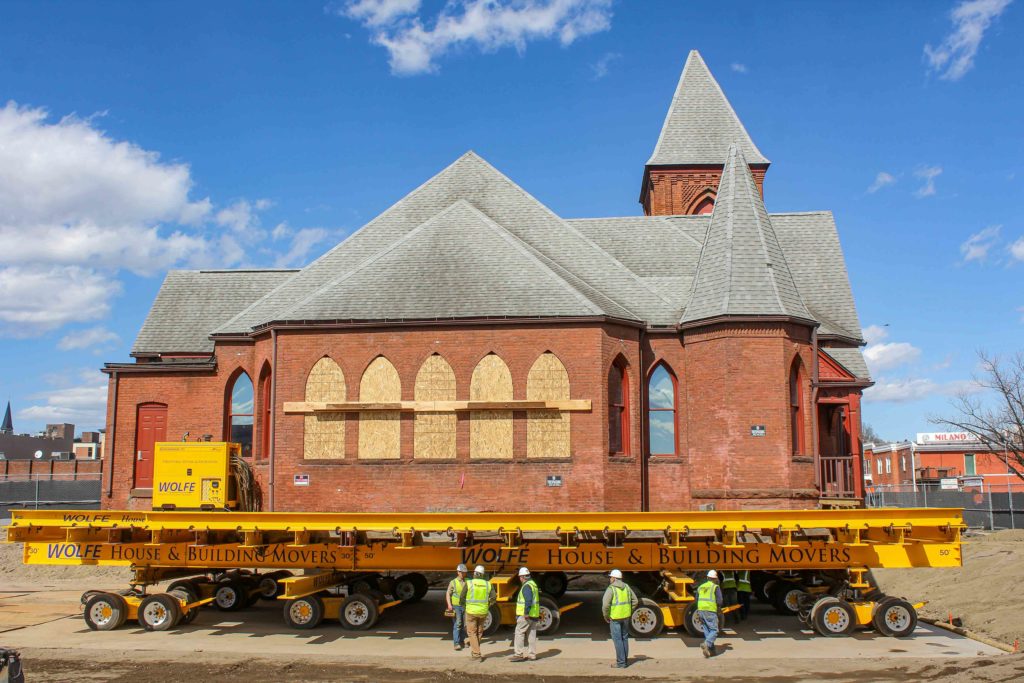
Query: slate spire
x=701, y=124
x=742, y=270
x=8, y=425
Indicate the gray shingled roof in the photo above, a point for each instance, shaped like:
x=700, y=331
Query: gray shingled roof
x=191, y=303
x=850, y=358
x=472, y=179
x=458, y=264
x=742, y=269
x=701, y=124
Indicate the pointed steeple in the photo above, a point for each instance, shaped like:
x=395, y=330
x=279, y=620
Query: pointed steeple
x=8, y=425
x=701, y=124
x=742, y=270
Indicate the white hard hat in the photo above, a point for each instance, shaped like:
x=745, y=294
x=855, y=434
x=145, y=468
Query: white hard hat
x=712, y=574
x=461, y=568
x=615, y=574
x=479, y=569
x=523, y=571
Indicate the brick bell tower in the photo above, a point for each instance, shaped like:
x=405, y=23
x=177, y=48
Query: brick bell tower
x=683, y=173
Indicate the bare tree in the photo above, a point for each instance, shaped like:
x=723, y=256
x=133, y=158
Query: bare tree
x=869, y=435
x=999, y=422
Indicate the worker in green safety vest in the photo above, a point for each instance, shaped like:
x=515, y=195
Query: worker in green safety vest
x=527, y=619
x=728, y=586
x=456, y=598
x=743, y=592
x=709, y=602
x=617, y=605
x=479, y=598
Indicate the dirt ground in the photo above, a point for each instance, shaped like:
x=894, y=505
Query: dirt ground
x=984, y=593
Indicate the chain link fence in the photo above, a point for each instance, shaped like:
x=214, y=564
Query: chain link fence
x=985, y=506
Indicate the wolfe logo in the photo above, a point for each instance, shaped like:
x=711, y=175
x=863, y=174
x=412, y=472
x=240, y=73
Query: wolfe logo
x=177, y=487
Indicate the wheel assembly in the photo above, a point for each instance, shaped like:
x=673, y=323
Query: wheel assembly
x=411, y=587
x=785, y=597
x=553, y=583
x=647, y=620
x=105, y=611
x=230, y=595
x=691, y=621
x=358, y=612
x=269, y=585
x=159, y=612
x=895, y=617
x=833, y=617
x=492, y=622
x=550, y=616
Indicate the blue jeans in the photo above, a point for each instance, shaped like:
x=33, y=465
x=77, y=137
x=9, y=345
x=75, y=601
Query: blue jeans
x=459, y=625
x=620, y=638
x=709, y=620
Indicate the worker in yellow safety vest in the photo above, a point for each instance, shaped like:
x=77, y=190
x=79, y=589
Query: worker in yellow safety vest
x=479, y=598
x=743, y=591
x=617, y=605
x=728, y=585
x=527, y=619
x=709, y=602
x=456, y=597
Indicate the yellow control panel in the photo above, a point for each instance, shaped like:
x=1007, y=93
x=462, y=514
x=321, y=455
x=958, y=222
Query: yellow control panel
x=193, y=475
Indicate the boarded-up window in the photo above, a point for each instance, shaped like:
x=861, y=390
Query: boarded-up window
x=324, y=435
x=547, y=433
x=435, y=432
x=490, y=433
x=380, y=434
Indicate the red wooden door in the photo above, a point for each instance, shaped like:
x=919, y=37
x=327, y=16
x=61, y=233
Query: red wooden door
x=150, y=427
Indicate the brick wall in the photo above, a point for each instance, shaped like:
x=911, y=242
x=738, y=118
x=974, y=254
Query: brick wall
x=64, y=469
x=677, y=191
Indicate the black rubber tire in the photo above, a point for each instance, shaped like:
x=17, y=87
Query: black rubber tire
x=95, y=614
x=230, y=595
x=894, y=617
x=358, y=612
x=159, y=612
x=492, y=625
x=553, y=583
x=785, y=597
x=765, y=595
x=411, y=587
x=690, y=622
x=422, y=585
x=304, y=613
x=647, y=621
x=268, y=585
x=550, y=616
x=386, y=584
x=364, y=585
x=189, y=593
x=757, y=582
x=833, y=617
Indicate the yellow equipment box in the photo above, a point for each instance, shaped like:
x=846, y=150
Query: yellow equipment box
x=193, y=476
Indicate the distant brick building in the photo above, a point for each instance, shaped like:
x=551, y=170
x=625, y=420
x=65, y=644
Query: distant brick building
x=468, y=349
x=933, y=457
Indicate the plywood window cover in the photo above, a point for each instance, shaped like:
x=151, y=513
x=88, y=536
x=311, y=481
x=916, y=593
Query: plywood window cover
x=310, y=407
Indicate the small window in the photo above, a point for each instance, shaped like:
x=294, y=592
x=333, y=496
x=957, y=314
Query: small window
x=969, y=464
x=661, y=412
x=796, y=408
x=879, y=461
x=888, y=465
x=240, y=416
x=903, y=463
x=618, y=410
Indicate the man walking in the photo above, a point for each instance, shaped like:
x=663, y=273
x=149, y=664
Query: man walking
x=728, y=586
x=456, y=597
x=479, y=598
x=617, y=605
x=527, y=619
x=743, y=591
x=709, y=601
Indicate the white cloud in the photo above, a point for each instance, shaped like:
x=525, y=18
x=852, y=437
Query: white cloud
x=414, y=44
x=977, y=246
x=243, y=215
x=928, y=174
x=1017, y=249
x=874, y=333
x=84, y=404
x=83, y=339
x=739, y=68
x=890, y=355
x=881, y=180
x=907, y=390
x=954, y=56
x=35, y=299
x=302, y=243
x=600, y=67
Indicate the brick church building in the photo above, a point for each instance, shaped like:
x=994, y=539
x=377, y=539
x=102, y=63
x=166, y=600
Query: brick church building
x=468, y=349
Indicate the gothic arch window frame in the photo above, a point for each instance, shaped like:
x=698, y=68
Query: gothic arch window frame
x=265, y=407
x=705, y=195
x=619, y=413
x=798, y=442
x=673, y=409
x=230, y=414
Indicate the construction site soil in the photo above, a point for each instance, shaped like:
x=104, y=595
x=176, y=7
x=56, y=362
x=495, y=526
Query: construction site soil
x=982, y=595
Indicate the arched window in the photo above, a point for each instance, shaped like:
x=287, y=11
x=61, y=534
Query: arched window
x=240, y=413
x=380, y=431
x=547, y=431
x=324, y=433
x=618, y=409
x=706, y=205
x=265, y=408
x=434, y=433
x=490, y=431
x=796, y=407
x=661, y=412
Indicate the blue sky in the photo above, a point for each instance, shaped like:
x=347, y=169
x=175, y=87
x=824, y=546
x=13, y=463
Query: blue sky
x=142, y=136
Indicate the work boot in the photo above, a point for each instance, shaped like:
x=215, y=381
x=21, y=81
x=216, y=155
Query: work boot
x=517, y=658
x=704, y=648
x=713, y=650
x=457, y=647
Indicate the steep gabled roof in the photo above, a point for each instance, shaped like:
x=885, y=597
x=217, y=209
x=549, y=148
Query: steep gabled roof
x=191, y=303
x=742, y=270
x=8, y=425
x=701, y=124
x=458, y=264
x=472, y=179
x=850, y=358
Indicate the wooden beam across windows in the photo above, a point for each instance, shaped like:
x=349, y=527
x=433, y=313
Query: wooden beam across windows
x=313, y=407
